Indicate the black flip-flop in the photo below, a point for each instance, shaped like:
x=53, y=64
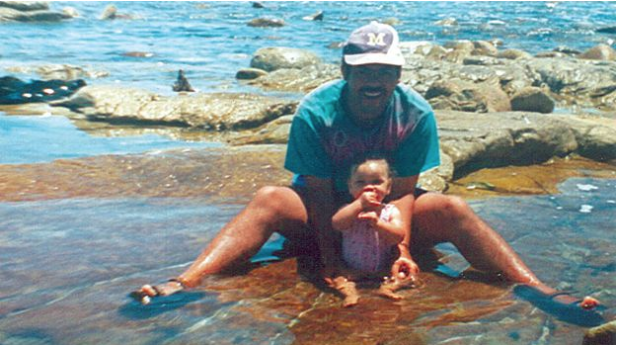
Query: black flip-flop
x=569, y=312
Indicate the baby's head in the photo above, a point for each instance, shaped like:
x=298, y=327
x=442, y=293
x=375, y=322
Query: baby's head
x=372, y=174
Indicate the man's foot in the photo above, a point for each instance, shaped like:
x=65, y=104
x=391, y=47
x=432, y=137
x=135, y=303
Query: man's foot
x=587, y=303
x=562, y=305
x=147, y=292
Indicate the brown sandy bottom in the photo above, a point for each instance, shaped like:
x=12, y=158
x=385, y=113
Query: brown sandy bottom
x=78, y=235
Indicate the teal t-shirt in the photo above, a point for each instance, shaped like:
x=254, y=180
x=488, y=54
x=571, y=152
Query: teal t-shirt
x=325, y=143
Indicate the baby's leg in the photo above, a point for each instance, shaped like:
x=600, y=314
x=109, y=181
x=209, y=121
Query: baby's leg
x=348, y=289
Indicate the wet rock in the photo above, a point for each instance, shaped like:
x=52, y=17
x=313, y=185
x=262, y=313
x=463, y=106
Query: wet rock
x=257, y=4
x=600, y=52
x=315, y=16
x=566, y=50
x=447, y=22
x=294, y=80
x=601, y=335
x=484, y=48
x=8, y=14
x=111, y=13
x=59, y=71
x=595, y=138
x=607, y=30
x=266, y=23
x=575, y=80
x=25, y=5
x=273, y=58
x=481, y=61
x=392, y=21
x=16, y=91
x=532, y=99
x=274, y=132
x=461, y=95
x=209, y=111
x=182, y=84
x=137, y=54
x=250, y=73
x=513, y=54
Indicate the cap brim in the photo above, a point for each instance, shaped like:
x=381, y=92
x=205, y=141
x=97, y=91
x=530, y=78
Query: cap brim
x=367, y=59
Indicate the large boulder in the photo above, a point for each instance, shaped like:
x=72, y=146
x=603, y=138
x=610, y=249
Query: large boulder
x=220, y=111
x=599, y=52
x=532, y=99
x=462, y=95
x=273, y=58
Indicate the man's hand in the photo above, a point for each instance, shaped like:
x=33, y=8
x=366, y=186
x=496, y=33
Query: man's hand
x=406, y=269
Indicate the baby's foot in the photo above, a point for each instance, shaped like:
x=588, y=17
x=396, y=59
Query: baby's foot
x=386, y=291
x=348, y=290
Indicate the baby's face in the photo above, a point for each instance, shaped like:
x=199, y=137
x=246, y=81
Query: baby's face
x=371, y=175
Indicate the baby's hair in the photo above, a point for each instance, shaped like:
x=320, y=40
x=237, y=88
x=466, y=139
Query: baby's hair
x=376, y=159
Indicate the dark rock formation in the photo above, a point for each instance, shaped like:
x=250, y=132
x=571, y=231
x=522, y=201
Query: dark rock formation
x=182, y=84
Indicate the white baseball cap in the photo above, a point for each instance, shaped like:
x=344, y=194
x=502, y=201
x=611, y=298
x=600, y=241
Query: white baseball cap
x=374, y=43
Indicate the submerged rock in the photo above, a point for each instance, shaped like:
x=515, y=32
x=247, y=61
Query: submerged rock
x=266, y=23
x=601, y=335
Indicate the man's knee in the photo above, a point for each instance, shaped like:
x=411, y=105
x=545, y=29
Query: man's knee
x=443, y=205
x=280, y=201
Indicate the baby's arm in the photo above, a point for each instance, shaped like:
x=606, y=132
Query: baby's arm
x=343, y=219
x=392, y=230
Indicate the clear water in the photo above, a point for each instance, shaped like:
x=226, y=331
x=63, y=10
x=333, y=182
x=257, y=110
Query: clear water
x=67, y=266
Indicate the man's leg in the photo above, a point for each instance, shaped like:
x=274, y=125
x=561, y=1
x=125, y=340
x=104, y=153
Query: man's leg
x=439, y=218
x=272, y=209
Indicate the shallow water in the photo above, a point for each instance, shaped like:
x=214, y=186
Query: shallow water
x=67, y=266
x=28, y=139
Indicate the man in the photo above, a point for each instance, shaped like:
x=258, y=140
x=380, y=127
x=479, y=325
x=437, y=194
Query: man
x=366, y=113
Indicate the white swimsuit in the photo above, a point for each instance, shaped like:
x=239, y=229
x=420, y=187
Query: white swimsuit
x=364, y=248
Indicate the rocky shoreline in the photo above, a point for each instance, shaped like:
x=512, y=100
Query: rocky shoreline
x=494, y=107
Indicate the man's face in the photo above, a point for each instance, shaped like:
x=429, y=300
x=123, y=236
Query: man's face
x=370, y=88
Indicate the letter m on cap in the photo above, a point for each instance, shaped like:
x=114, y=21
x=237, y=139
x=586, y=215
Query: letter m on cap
x=376, y=39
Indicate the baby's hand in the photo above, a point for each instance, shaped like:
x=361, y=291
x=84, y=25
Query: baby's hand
x=371, y=217
x=368, y=199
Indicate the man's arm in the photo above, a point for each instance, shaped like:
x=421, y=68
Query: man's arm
x=321, y=206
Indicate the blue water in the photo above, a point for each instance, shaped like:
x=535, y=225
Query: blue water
x=28, y=139
x=211, y=42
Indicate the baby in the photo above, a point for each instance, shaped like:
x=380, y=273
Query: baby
x=371, y=231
